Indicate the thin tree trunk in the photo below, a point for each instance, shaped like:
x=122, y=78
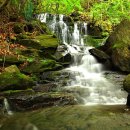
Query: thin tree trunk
x=4, y=5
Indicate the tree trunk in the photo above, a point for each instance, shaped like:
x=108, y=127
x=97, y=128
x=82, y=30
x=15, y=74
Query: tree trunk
x=5, y=3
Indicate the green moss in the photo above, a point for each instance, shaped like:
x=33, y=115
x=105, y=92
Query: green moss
x=91, y=41
x=14, y=81
x=47, y=40
x=40, y=42
x=41, y=66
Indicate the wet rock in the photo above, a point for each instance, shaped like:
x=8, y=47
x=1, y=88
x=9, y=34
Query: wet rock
x=62, y=55
x=117, y=46
x=128, y=100
x=126, y=83
x=14, y=80
x=100, y=55
x=49, y=87
x=31, y=101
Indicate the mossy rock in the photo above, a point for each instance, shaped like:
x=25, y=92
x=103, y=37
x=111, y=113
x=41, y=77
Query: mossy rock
x=15, y=81
x=126, y=83
x=117, y=46
x=12, y=69
x=41, y=66
x=13, y=59
x=40, y=42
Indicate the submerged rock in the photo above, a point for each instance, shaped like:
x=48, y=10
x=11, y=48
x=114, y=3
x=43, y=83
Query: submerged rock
x=117, y=46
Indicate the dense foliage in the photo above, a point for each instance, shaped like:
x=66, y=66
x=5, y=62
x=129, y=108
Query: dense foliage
x=61, y=6
x=109, y=13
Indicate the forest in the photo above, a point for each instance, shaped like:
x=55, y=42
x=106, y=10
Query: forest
x=64, y=64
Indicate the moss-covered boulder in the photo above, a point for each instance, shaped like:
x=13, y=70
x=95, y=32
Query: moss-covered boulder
x=12, y=79
x=40, y=42
x=41, y=66
x=126, y=83
x=13, y=59
x=117, y=46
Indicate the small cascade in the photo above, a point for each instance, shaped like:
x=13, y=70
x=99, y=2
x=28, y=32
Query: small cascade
x=42, y=17
x=52, y=24
x=75, y=35
x=85, y=28
x=88, y=81
x=7, y=107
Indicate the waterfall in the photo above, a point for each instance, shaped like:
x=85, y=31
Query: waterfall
x=7, y=107
x=88, y=80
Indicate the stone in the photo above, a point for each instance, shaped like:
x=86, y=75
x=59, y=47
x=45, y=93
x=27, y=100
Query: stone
x=39, y=66
x=12, y=69
x=100, y=55
x=62, y=55
x=126, y=83
x=32, y=100
x=117, y=46
x=128, y=100
x=49, y=87
x=14, y=80
x=40, y=42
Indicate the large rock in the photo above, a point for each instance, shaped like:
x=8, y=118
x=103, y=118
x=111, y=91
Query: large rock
x=39, y=66
x=62, y=55
x=117, y=46
x=29, y=100
x=100, y=55
x=40, y=42
x=126, y=83
x=12, y=79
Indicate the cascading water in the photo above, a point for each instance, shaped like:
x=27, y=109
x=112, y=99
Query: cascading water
x=7, y=107
x=87, y=72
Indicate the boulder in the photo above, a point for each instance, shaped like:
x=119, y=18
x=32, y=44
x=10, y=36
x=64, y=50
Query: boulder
x=39, y=66
x=12, y=79
x=40, y=42
x=100, y=55
x=117, y=46
x=128, y=100
x=126, y=83
x=22, y=101
x=62, y=55
x=13, y=59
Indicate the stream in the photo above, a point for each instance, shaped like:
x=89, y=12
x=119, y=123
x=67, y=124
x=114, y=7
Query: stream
x=101, y=98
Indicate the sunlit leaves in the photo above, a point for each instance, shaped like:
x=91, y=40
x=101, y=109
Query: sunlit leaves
x=111, y=11
x=61, y=6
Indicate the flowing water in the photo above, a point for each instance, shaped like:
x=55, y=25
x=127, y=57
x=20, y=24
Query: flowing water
x=87, y=73
x=7, y=107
